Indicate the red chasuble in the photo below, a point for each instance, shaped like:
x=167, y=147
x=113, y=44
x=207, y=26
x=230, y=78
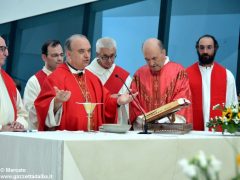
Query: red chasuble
x=12, y=90
x=218, y=92
x=41, y=75
x=74, y=116
x=158, y=88
x=113, y=84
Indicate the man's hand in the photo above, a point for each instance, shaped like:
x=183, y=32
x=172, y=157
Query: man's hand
x=14, y=126
x=126, y=98
x=61, y=96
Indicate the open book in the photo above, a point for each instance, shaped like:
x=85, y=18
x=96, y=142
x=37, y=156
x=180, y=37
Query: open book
x=166, y=110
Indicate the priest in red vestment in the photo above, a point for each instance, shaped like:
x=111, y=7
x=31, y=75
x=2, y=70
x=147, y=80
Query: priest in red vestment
x=12, y=112
x=58, y=105
x=210, y=83
x=159, y=82
x=112, y=76
x=52, y=55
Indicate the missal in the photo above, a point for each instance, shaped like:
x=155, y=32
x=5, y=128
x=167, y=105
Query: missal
x=166, y=110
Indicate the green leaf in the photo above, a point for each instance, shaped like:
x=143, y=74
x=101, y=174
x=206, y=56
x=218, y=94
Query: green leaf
x=231, y=128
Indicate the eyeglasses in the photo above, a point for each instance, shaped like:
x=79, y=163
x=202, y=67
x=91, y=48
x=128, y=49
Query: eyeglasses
x=106, y=58
x=55, y=55
x=3, y=48
x=208, y=47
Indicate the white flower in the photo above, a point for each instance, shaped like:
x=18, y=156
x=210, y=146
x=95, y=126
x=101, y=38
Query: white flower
x=188, y=169
x=214, y=167
x=235, y=110
x=236, y=121
x=202, y=159
x=201, y=167
x=216, y=164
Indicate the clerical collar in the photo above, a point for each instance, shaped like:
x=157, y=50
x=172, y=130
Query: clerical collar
x=166, y=60
x=98, y=69
x=74, y=70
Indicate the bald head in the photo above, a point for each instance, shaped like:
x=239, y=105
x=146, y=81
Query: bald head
x=154, y=54
x=152, y=43
x=67, y=45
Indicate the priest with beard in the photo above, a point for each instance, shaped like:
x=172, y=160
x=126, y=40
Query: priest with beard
x=210, y=83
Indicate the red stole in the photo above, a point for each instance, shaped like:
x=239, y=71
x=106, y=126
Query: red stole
x=113, y=84
x=12, y=91
x=41, y=75
x=74, y=116
x=218, y=92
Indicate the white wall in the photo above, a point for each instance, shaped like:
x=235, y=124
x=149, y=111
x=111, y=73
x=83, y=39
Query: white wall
x=12, y=10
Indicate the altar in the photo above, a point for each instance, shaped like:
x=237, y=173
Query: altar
x=66, y=155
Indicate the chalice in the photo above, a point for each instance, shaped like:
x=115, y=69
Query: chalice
x=89, y=108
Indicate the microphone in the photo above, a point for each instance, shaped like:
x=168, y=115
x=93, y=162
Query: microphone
x=138, y=106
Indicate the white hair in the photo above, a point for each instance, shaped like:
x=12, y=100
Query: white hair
x=105, y=42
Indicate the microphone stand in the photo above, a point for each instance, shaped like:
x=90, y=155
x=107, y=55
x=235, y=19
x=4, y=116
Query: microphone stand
x=145, y=126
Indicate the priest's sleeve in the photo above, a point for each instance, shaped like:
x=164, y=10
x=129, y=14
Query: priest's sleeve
x=182, y=90
x=110, y=107
x=42, y=103
x=134, y=111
